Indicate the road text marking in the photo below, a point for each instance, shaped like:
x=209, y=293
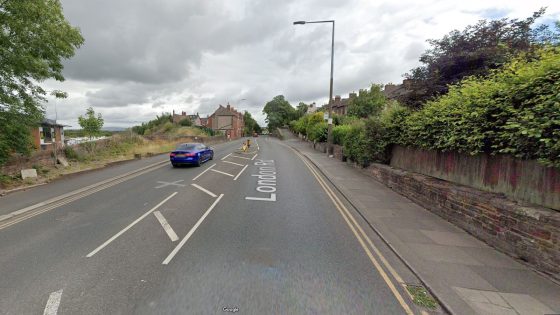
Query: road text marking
x=191, y=232
x=165, y=225
x=266, y=182
x=205, y=190
x=206, y=170
x=175, y=183
x=129, y=226
x=228, y=174
x=53, y=303
x=234, y=163
x=240, y=172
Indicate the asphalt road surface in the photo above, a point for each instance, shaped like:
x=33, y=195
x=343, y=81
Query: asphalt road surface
x=246, y=233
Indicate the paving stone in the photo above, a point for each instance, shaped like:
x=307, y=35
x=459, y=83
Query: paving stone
x=453, y=239
x=442, y=253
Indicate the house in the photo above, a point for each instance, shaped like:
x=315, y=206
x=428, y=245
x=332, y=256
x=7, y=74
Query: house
x=228, y=120
x=195, y=119
x=48, y=135
x=311, y=108
x=395, y=91
x=204, y=122
x=340, y=105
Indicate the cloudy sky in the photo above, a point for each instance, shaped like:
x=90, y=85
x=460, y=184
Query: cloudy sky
x=145, y=57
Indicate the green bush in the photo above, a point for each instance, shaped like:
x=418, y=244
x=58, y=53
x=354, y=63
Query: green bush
x=515, y=110
x=339, y=133
x=318, y=132
x=186, y=122
x=71, y=154
x=355, y=144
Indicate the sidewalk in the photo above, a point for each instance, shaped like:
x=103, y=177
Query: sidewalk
x=467, y=275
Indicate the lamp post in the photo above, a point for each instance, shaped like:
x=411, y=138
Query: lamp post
x=329, y=134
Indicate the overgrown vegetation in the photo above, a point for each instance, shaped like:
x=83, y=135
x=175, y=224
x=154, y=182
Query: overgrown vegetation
x=474, y=51
x=515, y=110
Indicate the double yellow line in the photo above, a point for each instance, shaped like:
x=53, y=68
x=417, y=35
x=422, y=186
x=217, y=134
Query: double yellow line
x=362, y=238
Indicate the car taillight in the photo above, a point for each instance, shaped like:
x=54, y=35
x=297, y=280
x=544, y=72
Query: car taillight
x=171, y=154
x=190, y=154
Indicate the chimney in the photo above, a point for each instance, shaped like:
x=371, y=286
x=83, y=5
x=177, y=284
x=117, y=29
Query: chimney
x=228, y=107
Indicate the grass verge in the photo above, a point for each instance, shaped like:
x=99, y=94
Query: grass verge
x=421, y=297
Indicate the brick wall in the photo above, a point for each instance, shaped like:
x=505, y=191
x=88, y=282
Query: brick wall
x=16, y=163
x=527, y=232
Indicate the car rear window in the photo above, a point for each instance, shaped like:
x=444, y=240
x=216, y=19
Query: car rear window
x=186, y=146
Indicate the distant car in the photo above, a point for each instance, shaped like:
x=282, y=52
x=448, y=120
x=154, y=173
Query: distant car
x=191, y=153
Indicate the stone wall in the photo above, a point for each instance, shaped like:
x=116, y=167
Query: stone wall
x=525, y=180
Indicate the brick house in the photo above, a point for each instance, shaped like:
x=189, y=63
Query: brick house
x=47, y=135
x=340, y=105
x=194, y=118
x=228, y=120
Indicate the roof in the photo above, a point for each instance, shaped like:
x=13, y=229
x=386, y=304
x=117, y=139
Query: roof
x=224, y=111
x=52, y=122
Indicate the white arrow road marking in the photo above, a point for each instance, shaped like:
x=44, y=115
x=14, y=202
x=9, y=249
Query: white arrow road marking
x=191, y=232
x=175, y=183
x=240, y=172
x=234, y=163
x=129, y=226
x=172, y=235
x=205, y=190
x=206, y=170
x=228, y=174
x=53, y=303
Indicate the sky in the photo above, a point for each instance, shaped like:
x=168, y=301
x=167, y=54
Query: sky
x=143, y=57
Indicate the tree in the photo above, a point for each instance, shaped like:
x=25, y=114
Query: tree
x=91, y=124
x=251, y=125
x=278, y=112
x=301, y=110
x=34, y=39
x=475, y=51
x=367, y=103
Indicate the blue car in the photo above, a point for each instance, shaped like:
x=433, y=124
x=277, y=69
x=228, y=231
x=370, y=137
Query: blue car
x=191, y=153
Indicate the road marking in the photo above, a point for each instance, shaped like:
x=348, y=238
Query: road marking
x=165, y=225
x=272, y=198
x=240, y=172
x=240, y=157
x=191, y=232
x=175, y=183
x=225, y=156
x=53, y=303
x=206, y=170
x=129, y=226
x=345, y=215
x=228, y=174
x=205, y=190
x=234, y=163
x=254, y=157
x=53, y=203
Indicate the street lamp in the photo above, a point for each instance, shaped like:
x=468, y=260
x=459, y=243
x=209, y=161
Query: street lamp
x=329, y=135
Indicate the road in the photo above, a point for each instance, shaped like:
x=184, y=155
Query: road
x=254, y=233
